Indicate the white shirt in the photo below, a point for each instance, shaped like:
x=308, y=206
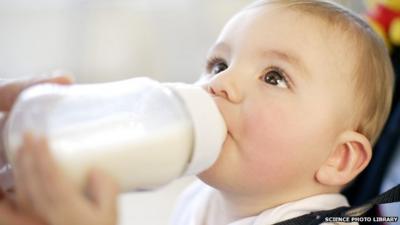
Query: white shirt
x=197, y=204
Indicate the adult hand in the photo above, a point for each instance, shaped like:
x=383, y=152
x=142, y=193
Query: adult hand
x=44, y=190
x=9, y=91
x=10, y=215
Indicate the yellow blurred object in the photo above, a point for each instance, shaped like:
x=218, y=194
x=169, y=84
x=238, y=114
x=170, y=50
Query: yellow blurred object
x=394, y=32
x=392, y=4
x=384, y=18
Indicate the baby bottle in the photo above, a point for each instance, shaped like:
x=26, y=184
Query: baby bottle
x=141, y=132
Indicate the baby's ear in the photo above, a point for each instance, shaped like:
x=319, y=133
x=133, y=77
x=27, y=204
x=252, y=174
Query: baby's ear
x=349, y=156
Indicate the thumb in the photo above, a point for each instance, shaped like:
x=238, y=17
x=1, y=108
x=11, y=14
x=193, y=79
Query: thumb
x=103, y=191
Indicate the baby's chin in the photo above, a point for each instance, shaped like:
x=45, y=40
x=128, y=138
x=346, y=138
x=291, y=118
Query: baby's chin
x=216, y=178
x=207, y=175
x=210, y=177
x=222, y=174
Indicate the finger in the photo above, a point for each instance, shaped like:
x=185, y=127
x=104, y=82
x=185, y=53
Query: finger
x=9, y=216
x=33, y=178
x=48, y=171
x=6, y=177
x=50, y=190
x=32, y=197
x=103, y=191
x=22, y=172
x=10, y=89
x=7, y=182
x=6, y=196
x=3, y=117
x=54, y=196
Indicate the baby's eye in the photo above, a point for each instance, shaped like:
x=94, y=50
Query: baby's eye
x=275, y=77
x=216, y=65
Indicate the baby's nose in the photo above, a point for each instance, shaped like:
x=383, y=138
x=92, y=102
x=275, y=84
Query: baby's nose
x=225, y=86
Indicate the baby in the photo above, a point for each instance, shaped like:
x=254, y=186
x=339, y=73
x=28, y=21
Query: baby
x=305, y=88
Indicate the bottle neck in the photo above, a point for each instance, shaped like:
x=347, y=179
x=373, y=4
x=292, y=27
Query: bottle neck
x=209, y=129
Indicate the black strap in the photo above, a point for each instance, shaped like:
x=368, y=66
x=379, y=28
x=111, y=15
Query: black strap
x=315, y=218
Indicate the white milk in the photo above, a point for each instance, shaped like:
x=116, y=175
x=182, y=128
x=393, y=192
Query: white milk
x=132, y=158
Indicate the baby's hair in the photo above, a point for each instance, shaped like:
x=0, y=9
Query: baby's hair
x=374, y=77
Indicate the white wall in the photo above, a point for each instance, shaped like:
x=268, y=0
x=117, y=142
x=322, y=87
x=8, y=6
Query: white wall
x=103, y=40
x=109, y=40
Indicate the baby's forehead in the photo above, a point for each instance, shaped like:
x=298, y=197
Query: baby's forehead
x=335, y=30
x=336, y=19
x=300, y=23
x=331, y=21
x=296, y=34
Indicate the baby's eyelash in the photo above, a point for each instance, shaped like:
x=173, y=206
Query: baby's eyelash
x=215, y=60
x=281, y=72
x=211, y=62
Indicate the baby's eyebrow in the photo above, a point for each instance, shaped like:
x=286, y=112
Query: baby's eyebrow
x=291, y=58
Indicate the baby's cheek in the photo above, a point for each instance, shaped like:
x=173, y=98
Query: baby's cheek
x=270, y=144
x=265, y=131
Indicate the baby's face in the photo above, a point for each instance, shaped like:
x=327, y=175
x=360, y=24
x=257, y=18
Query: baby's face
x=282, y=80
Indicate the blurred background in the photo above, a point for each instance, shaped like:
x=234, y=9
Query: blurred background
x=106, y=40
